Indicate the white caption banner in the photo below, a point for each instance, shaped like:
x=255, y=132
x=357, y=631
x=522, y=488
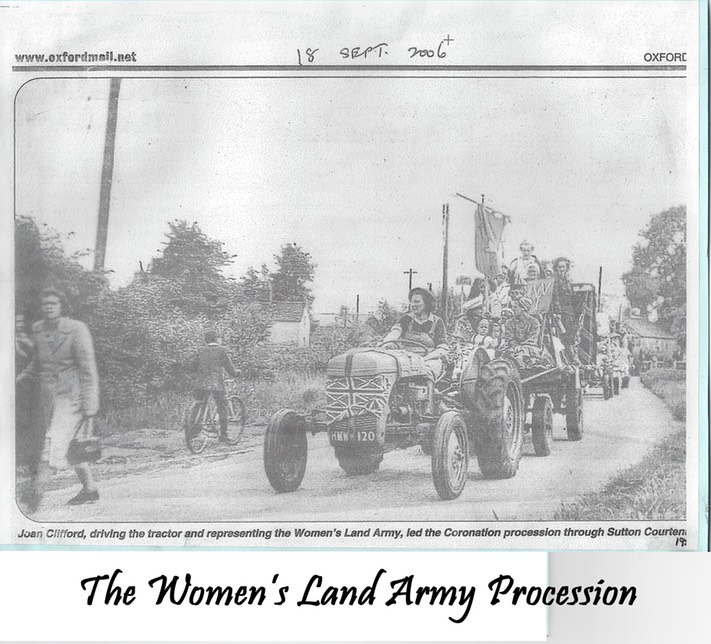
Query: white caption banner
x=49, y=584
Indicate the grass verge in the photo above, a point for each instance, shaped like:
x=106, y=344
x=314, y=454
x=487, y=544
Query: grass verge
x=262, y=398
x=656, y=488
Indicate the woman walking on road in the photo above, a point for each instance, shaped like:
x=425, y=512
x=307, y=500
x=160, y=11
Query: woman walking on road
x=68, y=392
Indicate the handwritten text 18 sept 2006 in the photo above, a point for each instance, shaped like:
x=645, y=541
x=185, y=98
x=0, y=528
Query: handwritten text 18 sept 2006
x=377, y=52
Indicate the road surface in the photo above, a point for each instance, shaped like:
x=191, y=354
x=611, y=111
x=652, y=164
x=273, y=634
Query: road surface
x=618, y=434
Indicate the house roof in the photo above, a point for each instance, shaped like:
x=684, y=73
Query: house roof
x=646, y=329
x=287, y=311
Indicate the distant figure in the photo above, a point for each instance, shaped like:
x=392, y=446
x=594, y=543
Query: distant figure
x=518, y=269
x=211, y=362
x=563, y=305
x=69, y=392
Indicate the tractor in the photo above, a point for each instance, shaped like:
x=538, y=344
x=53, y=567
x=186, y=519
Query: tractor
x=381, y=399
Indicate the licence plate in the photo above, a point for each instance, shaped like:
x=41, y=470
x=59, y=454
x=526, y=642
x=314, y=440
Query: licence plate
x=358, y=436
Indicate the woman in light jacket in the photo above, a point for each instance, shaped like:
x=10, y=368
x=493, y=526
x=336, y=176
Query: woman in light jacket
x=69, y=390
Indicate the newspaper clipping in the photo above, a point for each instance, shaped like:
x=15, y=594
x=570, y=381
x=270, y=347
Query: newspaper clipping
x=386, y=275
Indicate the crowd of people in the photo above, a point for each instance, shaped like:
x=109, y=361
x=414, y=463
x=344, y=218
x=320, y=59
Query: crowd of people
x=498, y=316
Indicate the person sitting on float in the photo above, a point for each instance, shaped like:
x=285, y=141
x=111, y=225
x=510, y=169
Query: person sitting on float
x=482, y=337
x=501, y=296
x=518, y=269
x=532, y=273
x=473, y=307
x=421, y=329
x=495, y=335
x=521, y=335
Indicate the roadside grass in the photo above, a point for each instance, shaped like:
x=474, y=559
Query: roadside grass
x=655, y=489
x=262, y=398
x=670, y=386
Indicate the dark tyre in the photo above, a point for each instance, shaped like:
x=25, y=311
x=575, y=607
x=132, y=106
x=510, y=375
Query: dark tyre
x=625, y=382
x=606, y=388
x=194, y=425
x=236, y=421
x=450, y=456
x=542, y=426
x=574, y=412
x=285, y=451
x=355, y=462
x=498, y=419
x=616, y=386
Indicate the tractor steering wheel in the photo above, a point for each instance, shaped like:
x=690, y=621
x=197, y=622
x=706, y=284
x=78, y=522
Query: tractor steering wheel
x=413, y=343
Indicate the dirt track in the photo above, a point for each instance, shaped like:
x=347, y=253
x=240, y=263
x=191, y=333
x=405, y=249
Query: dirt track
x=230, y=485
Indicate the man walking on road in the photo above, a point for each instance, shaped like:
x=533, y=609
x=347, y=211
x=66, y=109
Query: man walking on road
x=210, y=363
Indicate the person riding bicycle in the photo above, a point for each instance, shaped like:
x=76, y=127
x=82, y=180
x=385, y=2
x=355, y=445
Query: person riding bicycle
x=210, y=363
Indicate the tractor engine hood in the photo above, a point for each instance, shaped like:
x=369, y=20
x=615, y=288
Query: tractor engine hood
x=373, y=362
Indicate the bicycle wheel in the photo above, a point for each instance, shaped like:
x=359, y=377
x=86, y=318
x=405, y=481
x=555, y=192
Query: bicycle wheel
x=236, y=421
x=195, y=437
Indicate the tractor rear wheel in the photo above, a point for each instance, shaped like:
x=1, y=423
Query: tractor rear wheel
x=356, y=462
x=450, y=456
x=499, y=416
x=542, y=426
x=285, y=451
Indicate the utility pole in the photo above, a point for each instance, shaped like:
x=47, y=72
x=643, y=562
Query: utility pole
x=599, y=290
x=357, y=308
x=107, y=171
x=410, y=273
x=445, y=260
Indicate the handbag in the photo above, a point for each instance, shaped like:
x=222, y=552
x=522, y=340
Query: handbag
x=85, y=446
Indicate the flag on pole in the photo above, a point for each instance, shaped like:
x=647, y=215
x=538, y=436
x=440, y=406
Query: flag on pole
x=487, y=243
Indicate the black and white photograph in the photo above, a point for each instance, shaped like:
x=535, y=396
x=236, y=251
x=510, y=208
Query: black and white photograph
x=361, y=296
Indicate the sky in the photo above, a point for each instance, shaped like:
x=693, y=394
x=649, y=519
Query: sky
x=356, y=171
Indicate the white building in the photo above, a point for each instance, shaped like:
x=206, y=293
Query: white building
x=291, y=324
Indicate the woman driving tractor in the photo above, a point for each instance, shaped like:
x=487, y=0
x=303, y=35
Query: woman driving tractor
x=421, y=329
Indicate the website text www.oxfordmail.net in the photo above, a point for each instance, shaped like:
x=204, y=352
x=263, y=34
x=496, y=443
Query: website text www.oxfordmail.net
x=85, y=57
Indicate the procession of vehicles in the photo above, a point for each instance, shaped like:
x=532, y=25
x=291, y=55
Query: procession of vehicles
x=380, y=399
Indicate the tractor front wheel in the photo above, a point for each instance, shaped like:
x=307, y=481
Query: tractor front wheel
x=450, y=456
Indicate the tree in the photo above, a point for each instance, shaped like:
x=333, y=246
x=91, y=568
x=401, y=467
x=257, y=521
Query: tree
x=658, y=275
x=384, y=318
x=194, y=262
x=294, y=270
x=41, y=261
x=255, y=285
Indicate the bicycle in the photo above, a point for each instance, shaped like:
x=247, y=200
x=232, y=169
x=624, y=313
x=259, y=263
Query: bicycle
x=202, y=423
